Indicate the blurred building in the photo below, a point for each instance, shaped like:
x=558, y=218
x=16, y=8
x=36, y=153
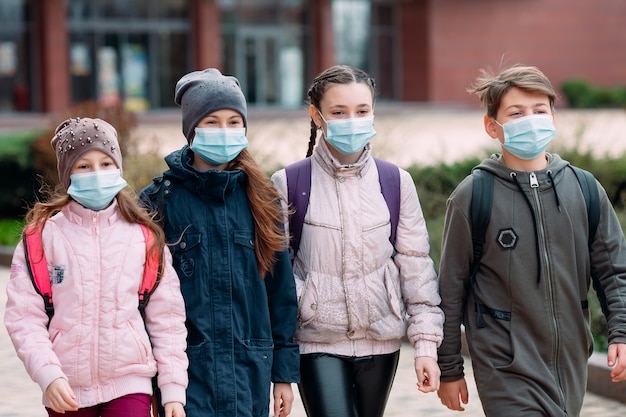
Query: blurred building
x=54, y=53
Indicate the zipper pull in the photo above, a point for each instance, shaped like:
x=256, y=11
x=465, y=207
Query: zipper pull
x=533, y=181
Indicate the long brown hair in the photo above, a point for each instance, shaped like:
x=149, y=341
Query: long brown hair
x=338, y=74
x=127, y=205
x=264, y=199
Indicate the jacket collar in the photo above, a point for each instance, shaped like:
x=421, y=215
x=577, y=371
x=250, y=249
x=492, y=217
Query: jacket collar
x=332, y=167
x=81, y=215
x=212, y=183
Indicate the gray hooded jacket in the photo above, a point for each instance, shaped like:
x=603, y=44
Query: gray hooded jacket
x=533, y=281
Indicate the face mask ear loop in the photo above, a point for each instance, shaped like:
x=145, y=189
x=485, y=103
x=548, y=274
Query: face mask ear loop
x=325, y=123
x=498, y=123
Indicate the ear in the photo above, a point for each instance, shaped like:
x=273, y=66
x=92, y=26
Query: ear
x=315, y=116
x=490, y=127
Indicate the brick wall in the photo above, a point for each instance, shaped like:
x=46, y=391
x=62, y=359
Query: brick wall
x=564, y=38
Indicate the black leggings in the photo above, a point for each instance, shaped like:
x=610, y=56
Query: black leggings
x=341, y=386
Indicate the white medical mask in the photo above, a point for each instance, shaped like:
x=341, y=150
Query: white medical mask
x=218, y=146
x=349, y=136
x=95, y=190
x=528, y=136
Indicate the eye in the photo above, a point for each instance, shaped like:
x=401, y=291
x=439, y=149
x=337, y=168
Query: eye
x=107, y=164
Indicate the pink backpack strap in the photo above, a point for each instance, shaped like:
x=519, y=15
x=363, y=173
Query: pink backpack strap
x=38, y=266
x=151, y=272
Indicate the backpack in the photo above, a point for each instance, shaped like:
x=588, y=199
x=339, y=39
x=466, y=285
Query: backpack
x=38, y=269
x=482, y=199
x=299, y=189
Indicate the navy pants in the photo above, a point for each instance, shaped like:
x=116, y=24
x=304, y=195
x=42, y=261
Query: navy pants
x=341, y=386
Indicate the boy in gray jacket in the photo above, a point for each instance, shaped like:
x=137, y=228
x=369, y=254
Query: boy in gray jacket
x=530, y=349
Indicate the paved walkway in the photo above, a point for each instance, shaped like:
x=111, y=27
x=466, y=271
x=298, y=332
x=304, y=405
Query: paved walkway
x=21, y=397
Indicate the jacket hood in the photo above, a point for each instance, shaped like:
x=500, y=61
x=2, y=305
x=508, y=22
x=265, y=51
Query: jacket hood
x=495, y=165
x=211, y=182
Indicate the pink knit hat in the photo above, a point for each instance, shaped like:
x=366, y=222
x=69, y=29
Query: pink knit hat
x=74, y=137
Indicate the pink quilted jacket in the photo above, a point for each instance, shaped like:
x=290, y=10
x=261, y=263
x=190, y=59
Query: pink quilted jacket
x=97, y=339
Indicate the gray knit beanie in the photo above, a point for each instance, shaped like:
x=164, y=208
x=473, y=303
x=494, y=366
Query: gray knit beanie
x=200, y=93
x=74, y=137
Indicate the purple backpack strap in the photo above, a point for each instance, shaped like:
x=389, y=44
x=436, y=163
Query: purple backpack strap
x=389, y=178
x=298, y=192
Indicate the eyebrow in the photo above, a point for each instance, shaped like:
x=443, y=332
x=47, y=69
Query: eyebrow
x=343, y=106
x=520, y=106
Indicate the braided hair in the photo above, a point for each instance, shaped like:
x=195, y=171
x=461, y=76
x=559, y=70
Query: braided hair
x=338, y=74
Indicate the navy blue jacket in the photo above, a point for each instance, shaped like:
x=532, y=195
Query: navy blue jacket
x=240, y=326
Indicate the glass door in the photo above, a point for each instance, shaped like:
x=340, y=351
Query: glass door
x=269, y=66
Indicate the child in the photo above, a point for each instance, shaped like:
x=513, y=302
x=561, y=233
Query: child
x=355, y=286
x=525, y=313
x=222, y=217
x=96, y=356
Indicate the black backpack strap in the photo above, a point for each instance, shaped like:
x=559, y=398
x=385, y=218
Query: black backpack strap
x=389, y=178
x=152, y=198
x=298, y=192
x=592, y=199
x=482, y=199
x=589, y=189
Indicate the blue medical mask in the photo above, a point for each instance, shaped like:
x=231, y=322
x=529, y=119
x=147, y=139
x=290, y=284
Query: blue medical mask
x=349, y=136
x=528, y=136
x=95, y=190
x=218, y=146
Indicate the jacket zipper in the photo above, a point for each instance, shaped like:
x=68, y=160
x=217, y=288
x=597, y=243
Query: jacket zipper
x=349, y=332
x=97, y=302
x=534, y=186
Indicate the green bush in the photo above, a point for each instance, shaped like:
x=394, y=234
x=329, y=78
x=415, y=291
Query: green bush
x=10, y=231
x=580, y=94
x=20, y=184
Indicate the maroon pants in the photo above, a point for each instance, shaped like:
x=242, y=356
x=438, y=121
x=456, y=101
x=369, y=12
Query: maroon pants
x=132, y=405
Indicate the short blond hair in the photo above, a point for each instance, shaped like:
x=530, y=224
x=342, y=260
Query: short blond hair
x=490, y=87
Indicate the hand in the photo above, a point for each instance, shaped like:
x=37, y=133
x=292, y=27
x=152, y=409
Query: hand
x=174, y=409
x=428, y=374
x=616, y=358
x=60, y=396
x=283, y=399
x=451, y=392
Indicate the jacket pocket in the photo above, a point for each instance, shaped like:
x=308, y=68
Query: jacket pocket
x=386, y=307
x=394, y=298
x=307, y=302
x=185, y=251
x=245, y=264
x=142, y=347
x=322, y=310
x=253, y=373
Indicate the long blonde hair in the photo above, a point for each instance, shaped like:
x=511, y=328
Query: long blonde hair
x=127, y=205
x=269, y=237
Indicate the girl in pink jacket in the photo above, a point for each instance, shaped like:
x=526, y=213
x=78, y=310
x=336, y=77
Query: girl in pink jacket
x=96, y=356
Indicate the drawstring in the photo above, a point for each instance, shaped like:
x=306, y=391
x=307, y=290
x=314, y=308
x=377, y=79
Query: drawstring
x=556, y=194
x=514, y=176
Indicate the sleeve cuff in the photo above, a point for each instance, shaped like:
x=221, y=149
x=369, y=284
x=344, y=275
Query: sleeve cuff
x=173, y=393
